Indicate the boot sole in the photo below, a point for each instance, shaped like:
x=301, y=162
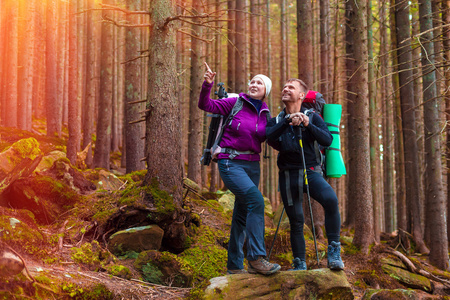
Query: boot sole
x=270, y=272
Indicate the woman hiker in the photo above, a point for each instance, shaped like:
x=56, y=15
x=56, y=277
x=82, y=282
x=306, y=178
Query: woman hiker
x=239, y=169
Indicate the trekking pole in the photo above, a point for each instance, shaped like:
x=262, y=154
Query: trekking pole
x=275, y=236
x=309, y=200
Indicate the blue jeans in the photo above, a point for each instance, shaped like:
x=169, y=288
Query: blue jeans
x=241, y=177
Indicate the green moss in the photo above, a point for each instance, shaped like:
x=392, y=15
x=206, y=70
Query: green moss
x=96, y=292
x=119, y=271
x=22, y=235
x=206, y=259
x=163, y=200
x=86, y=254
x=27, y=148
x=151, y=273
x=136, y=176
x=129, y=255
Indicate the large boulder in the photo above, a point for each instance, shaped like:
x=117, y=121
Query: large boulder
x=108, y=181
x=136, y=239
x=44, y=196
x=11, y=157
x=49, y=159
x=313, y=284
x=10, y=263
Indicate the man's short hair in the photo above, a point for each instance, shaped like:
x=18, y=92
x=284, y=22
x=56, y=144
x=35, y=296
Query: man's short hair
x=300, y=82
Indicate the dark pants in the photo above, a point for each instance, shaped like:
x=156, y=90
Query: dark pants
x=242, y=179
x=322, y=192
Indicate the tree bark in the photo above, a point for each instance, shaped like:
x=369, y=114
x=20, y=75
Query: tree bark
x=387, y=108
x=373, y=123
x=195, y=115
x=51, y=82
x=360, y=144
x=103, y=143
x=304, y=38
x=435, y=201
x=26, y=56
x=89, y=98
x=240, y=61
x=163, y=132
x=73, y=144
x=231, y=53
x=398, y=130
x=409, y=121
x=446, y=46
x=324, y=46
x=283, y=44
x=133, y=143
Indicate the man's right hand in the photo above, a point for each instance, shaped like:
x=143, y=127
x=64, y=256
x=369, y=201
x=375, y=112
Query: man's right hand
x=209, y=75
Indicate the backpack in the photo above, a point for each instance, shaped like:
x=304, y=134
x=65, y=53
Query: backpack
x=217, y=126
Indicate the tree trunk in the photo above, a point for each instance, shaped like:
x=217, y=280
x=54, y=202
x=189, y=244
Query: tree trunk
x=73, y=144
x=163, y=131
x=255, y=67
x=195, y=115
x=240, y=61
x=51, y=82
x=435, y=201
x=398, y=132
x=324, y=46
x=283, y=44
x=61, y=59
x=360, y=144
x=373, y=123
x=133, y=143
x=305, y=46
x=25, y=78
x=409, y=121
x=231, y=53
x=446, y=46
x=11, y=64
x=388, y=167
x=91, y=82
x=103, y=143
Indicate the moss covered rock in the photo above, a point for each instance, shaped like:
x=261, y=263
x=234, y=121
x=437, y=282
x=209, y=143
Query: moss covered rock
x=25, y=148
x=46, y=197
x=163, y=268
x=10, y=263
x=108, y=181
x=314, y=284
x=409, y=279
x=136, y=239
x=22, y=234
x=397, y=294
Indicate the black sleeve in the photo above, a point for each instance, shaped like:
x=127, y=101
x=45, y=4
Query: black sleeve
x=274, y=130
x=319, y=130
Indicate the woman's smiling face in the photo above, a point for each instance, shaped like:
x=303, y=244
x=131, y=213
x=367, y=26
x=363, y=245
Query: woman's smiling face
x=257, y=88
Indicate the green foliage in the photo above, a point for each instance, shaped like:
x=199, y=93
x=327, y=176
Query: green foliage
x=151, y=273
x=206, y=259
x=21, y=235
x=27, y=148
x=96, y=292
x=86, y=254
x=129, y=255
x=119, y=271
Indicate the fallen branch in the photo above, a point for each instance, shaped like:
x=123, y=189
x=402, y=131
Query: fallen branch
x=413, y=269
x=61, y=236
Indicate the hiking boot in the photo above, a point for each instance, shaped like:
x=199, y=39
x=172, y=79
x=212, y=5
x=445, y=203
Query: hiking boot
x=298, y=264
x=262, y=266
x=334, y=256
x=237, y=271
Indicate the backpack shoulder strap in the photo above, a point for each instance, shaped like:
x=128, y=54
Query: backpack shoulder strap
x=236, y=108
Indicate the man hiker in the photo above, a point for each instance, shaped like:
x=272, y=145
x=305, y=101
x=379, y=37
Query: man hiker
x=292, y=132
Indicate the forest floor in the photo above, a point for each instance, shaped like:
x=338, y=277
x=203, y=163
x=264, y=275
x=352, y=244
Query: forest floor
x=362, y=271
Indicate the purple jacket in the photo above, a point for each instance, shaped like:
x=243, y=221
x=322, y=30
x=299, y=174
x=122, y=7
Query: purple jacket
x=248, y=128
